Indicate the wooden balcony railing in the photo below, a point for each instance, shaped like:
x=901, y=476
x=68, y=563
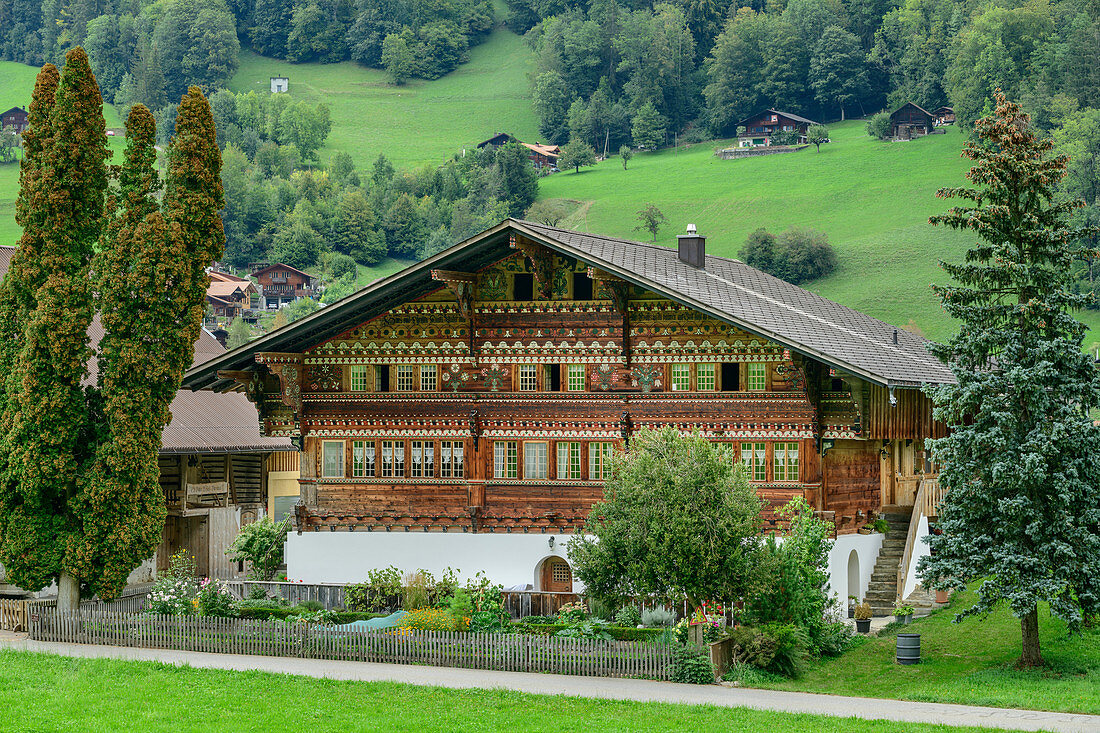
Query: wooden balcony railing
x=927, y=504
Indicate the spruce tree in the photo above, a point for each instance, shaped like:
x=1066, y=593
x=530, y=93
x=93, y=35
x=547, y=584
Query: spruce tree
x=1022, y=507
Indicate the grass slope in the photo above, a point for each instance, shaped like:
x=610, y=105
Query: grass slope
x=44, y=692
x=969, y=663
x=872, y=199
x=420, y=122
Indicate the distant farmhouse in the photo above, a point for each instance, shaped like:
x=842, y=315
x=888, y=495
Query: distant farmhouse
x=280, y=85
x=909, y=121
x=282, y=284
x=229, y=295
x=14, y=119
x=542, y=156
x=943, y=116
x=760, y=127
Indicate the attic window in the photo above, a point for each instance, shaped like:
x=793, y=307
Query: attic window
x=582, y=286
x=523, y=286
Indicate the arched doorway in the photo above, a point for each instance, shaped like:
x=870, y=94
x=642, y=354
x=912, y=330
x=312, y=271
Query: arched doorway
x=853, y=575
x=556, y=575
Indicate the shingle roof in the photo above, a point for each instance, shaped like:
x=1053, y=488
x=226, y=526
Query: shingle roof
x=790, y=115
x=202, y=422
x=733, y=291
x=726, y=289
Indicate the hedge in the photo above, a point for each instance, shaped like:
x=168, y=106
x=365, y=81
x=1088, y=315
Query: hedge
x=619, y=633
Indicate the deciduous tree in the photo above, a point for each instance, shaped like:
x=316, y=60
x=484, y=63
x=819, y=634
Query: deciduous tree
x=678, y=520
x=650, y=219
x=1022, y=506
x=576, y=153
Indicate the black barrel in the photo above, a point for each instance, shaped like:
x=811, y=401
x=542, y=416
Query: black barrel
x=908, y=648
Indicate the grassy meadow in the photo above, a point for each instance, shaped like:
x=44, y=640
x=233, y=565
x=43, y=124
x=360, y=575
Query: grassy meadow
x=40, y=692
x=971, y=663
x=421, y=121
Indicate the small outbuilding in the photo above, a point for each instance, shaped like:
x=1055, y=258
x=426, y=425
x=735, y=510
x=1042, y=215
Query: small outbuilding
x=280, y=85
x=943, y=116
x=909, y=121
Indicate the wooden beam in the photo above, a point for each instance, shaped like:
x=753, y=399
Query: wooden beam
x=453, y=276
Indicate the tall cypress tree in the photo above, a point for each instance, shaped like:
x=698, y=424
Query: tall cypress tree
x=80, y=500
x=1022, y=510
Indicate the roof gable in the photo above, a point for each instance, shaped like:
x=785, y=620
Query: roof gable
x=726, y=289
x=281, y=266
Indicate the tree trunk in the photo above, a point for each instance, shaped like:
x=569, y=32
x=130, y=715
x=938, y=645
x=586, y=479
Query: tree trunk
x=1029, y=627
x=842, y=113
x=68, y=593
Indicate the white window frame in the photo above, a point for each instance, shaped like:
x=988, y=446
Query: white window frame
x=527, y=377
x=754, y=457
x=358, y=377
x=395, y=468
x=429, y=377
x=422, y=459
x=362, y=458
x=569, y=460
x=578, y=371
x=536, y=459
x=450, y=458
x=505, y=459
x=405, y=378
x=677, y=374
x=325, y=471
x=599, y=460
x=706, y=377
x=785, y=460
x=756, y=376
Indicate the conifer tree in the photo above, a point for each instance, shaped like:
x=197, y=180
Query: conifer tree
x=1022, y=509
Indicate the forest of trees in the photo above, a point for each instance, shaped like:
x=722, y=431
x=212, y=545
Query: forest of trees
x=145, y=51
x=704, y=65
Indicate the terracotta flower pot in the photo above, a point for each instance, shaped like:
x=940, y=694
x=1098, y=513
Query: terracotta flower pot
x=943, y=596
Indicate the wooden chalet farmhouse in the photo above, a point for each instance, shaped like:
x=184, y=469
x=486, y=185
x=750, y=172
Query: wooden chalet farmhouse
x=229, y=295
x=944, y=116
x=910, y=120
x=14, y=119
x=760, y=127
x=282, y=285
x=541, y=156
x=462, y=412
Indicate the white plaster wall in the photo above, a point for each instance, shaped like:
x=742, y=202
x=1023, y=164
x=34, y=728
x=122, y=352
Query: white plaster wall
x=867, y=547
x=920, y=549
x=345, y=557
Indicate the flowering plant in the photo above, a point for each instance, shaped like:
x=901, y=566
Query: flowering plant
x=172, y=597
x=213, y=599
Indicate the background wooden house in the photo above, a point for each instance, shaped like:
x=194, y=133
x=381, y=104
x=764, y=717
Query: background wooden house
x=230, y=295
x=943, y=116
x=760, y=127
x=909, y=121
x=462, y=412
x=282, y=284
x=14, y=119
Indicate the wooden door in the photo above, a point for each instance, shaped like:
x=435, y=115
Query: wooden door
x=557, y=576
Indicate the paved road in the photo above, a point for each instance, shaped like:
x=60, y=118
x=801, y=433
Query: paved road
x=593, y=687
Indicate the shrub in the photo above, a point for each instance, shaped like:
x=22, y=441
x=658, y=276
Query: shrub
x=417, y=591
x=797, y=255
x=257, y=593
x=461, y=608
x=879, y=125
x=753, y=646
x=429, y=619
x=862, y=612
x=784, y=137
x=792, y=650
x=660, y=617
x=539, y=620
x=213, y=599
x=340, y=265
x=628, y=616
x=172, y=596
x=598, y=608
x=381, y=590
x=261, y=545
x=311, y=606
x=311, y=617
x=692, y=666
x=572, y=613
x=747, y=675
x=834, y=639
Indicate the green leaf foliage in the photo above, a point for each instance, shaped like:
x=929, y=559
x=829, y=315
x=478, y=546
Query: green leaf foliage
x=677, y=519
x=260, y=544
x=1022, y=507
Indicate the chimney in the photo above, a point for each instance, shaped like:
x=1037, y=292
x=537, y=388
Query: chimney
x=692, y=248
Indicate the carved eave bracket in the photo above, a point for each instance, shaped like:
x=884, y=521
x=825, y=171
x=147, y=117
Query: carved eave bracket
x=288, y=370
x=541, y=261
x=463, y=286
x=620, y=298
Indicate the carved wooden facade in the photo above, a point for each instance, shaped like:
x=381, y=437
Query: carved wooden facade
x=492, y=403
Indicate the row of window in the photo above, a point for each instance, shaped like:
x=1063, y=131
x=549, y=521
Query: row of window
x=426, y=459
x=683, y=377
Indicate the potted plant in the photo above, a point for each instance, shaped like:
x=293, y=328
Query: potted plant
x=852, y=602
x=866, y=529
x=903, y=613
x=943, y=596
x=880, y=525
x=863, y=617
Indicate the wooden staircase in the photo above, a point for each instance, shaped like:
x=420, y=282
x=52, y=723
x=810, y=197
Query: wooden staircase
x=882, y=592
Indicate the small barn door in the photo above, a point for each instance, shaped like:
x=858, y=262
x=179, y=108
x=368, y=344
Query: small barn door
x=557, y=576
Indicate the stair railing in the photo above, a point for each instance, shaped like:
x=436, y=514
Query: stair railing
x=929, y=489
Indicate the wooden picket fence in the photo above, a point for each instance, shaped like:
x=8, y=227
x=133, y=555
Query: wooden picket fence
x=506, y=652
x=13, y=614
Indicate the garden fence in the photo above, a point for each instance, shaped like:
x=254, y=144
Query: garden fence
x=14, y=611
x=506, y=652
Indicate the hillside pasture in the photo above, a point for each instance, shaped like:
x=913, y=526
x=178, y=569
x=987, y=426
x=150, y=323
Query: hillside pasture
x=871, y=198
x=420, y=122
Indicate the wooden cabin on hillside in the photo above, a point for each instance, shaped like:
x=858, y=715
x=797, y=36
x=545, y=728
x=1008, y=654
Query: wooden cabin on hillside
x=15, y=119
x=282, y=285
x=229, y=295
x=909, y=121
x=943, y=116
x=462, y=412
x=760, y=127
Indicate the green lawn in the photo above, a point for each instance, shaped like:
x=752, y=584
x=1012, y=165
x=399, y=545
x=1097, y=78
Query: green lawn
x=40, y=692
x=970, y=663
x=420, y=122
x=872, y=199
